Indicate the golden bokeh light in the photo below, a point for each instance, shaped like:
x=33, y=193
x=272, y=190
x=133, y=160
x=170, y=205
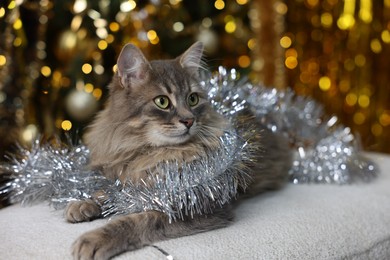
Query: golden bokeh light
x=17, y=41
x=384, y=119
x=18, y=24
x=88, y=88
x=360, y=60
x=291, y=53
x=12, y=5
x=327, y=20
x=151, y=34
x=102, y=45
x=376, y=46
x=2, y=12
x=351, y=99
x=66, y=125
x=3, y=60
x=346, y=22
x=312, y=3
x=281, y=8
x=359, y=118
x=252, y=43
x=324, y=83
x=244, y=61
x=291, y=62
x=242, y=2
x=46, y=71
x=230, y=27
x=86, y=68
x=285, y=42
x=114, y=26
x=219, y=4
x=365, y=12
x=385, y=35
x=97, y=93
x=364, y=101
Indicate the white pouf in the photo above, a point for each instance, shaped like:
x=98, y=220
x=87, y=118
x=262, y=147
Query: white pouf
x=298, y=222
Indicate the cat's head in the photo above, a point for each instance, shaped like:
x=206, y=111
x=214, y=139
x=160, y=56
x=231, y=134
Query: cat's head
x=162, y=100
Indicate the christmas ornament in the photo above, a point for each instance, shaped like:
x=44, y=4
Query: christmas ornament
x=209, y=38
x=325, y=152
x=81, y=105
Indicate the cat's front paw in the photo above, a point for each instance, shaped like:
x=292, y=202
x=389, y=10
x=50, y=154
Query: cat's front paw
x=98, y=244
x=79, y=211
x=91, y=245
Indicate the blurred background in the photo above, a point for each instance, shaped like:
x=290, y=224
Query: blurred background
x=56, y=57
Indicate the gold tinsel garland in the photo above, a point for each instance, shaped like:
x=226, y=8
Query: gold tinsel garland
x=337, y=51
x=267, y=20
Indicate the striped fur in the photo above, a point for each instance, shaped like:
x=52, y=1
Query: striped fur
x=132, y=134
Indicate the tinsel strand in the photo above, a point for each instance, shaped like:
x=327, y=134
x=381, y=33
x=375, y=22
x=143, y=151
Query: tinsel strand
x=325, y=152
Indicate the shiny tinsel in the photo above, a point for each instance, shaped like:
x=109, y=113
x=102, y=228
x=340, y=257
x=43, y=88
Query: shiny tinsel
x=186, y=189
x=324, y=152
x=59, y=174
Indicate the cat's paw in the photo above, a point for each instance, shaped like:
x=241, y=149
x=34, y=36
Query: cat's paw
x=91, y=245
x=98, y=244
x=79, y=211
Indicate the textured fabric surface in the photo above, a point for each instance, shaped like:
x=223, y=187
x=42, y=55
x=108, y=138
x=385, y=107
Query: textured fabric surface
x=297, y=222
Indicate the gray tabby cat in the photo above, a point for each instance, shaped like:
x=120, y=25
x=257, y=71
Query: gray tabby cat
x=156, y=112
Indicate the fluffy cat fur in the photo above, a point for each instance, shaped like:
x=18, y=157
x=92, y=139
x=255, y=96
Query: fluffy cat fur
x=156, y=111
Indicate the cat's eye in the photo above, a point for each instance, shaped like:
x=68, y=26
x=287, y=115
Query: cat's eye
x=162, y=102
x=193, y=99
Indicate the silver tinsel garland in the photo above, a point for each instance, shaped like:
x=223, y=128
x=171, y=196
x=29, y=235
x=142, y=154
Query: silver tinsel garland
x=324, y=153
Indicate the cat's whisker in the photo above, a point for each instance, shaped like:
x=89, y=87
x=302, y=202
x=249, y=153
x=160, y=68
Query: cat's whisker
x=212, y=128
x=207, y=134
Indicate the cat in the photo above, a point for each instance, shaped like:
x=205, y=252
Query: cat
x=157, y=111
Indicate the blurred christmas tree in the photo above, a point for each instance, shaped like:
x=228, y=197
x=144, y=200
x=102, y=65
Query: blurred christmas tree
x=56, y=57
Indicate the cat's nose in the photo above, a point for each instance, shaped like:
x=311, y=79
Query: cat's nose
x=188, y=122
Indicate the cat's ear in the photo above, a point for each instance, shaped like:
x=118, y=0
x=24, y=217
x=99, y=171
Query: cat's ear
x=132, y=66
x=191, y=59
